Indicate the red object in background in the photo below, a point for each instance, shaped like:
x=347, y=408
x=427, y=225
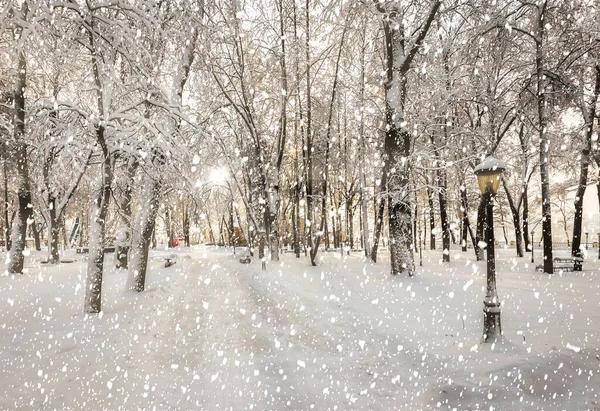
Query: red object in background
x=178, y=241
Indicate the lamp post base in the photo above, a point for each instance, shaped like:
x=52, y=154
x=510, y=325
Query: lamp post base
x=492, y=327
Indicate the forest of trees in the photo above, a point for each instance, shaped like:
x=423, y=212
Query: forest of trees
x=302, y=123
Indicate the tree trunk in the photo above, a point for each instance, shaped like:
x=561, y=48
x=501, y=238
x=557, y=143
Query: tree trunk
x=380, y=209
x=431, y=218
x=397, y=150
x=7, y=228
x=466, y=222
x=479, y=239
x=503, y=222
x=415, y=221
x=334, y=231
x=82, y=231
x=584, y=165
x=143, y=234
x=463, y=225
x=361, y=153
x=299, y=122
x=274, y=227
x=95, y=268
x=262, y=242
x=123, y=240
x=211, y=234
x=239, y=222
x=36, y=236
x=527, y=240
x=53, y=232
x=443, y=201
x=516, y=221
x=397, y=143
x=351, y=231
x=308, y=147
x=168, y=227
x=186, y=225
x=544, y=140
x=231, y=226
x=24, y=213
x=63, y=229
x=296, y=219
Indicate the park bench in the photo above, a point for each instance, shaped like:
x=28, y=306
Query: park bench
x=86, y=250
x=565, y=264
x=168, y=262
x=245, y=260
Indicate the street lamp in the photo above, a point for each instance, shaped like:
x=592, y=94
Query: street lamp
x=489, y=174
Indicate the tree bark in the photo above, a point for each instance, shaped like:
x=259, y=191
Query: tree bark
x=7, y=225
x=466, y=222
x=397, y=138
x=361, y=153
x=443, y=201
x=589, y=114
x=53, y=232
x=95, y=269
x=516, y=220
x=126, y=216
x=431, y=216
x=380, y=209
x=25, y=210
x=168, y=229
x=544, y=140
x=527, y=240
x=308, y=147
x=36, y=236
x=186, y=224
x=143, y=233
x=481, y=221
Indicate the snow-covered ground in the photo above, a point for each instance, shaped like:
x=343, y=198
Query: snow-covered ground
x=211, y=333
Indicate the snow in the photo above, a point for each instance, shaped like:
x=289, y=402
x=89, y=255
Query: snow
x=211, y=333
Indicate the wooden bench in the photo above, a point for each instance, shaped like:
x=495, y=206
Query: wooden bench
x=565, y=264
x=86, y=250
x=168, y=262
x=245, y=260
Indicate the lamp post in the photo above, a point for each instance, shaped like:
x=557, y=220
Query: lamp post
x=586, y=239
x=420, y=249
x=489, y=174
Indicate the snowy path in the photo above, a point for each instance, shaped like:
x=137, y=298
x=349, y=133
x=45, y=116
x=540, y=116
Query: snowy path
x=294, y=339
x=245, y=340
x=213, y=334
